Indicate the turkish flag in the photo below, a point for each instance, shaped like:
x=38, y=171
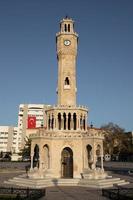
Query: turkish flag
x=31, y=122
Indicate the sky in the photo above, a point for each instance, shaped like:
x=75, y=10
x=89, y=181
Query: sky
x=28, y=64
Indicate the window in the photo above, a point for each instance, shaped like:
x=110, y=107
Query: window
x=68, y=27
x=65, y=28
x=67, y=82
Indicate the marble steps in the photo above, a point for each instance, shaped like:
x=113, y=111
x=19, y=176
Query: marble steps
x=53, y=181
x=124, y=183
x=103, y=183
x=116, y=181
x=40, y=183
x=31, y=183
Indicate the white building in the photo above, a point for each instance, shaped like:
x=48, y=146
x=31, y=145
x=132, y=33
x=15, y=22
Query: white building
x=8, y=139
x=30, y=116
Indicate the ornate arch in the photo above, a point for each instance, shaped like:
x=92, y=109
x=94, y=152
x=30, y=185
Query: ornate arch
x=36, y=156
x=67, y=162
x=46, y=156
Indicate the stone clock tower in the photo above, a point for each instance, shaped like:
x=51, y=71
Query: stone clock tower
x=66, y=41
x=66, y=147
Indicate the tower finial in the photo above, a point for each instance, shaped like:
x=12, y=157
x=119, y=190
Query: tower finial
x=91, y=125
x=67, y=17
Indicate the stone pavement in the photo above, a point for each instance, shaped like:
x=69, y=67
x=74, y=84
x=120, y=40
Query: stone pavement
x=6, y=174
x=72, y=193
x=65, y=193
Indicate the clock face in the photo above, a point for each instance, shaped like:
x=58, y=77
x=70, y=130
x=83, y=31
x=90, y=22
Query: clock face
x=67, y=42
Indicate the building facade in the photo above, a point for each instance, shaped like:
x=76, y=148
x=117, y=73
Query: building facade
x=66, y=147
x=30, y=116
x=8, y=139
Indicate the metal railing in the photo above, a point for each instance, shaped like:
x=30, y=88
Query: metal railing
x=119, y=193
x=21, y=193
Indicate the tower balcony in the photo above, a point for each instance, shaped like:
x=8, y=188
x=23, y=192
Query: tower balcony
x=68, y=33
x=70, y=107
x=67, y=118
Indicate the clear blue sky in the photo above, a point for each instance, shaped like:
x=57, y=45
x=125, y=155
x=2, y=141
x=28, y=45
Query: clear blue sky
x=28, y=65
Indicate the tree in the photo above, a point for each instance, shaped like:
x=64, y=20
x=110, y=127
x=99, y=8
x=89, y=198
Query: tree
x=25, y=152
x=115, y=139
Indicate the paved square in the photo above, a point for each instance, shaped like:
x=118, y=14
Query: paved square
x=72, y=193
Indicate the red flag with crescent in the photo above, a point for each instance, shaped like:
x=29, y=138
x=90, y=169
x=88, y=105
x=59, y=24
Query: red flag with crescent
x=31, y=122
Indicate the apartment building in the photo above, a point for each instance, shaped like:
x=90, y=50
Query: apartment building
x=8, y=139
x=30, y=116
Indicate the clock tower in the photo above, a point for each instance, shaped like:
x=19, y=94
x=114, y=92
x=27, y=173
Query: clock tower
x=66, y=43
x=67, y=147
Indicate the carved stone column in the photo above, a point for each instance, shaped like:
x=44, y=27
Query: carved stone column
x=66, y=121
x=40, y=158
x=62, y=122
x=86, y=122
x=94, y=154
x=47, y=119
x=55, y=120
x=32, y=154
x=101, y=157
x=71, y=123
x=78, y=122
x=31, y=162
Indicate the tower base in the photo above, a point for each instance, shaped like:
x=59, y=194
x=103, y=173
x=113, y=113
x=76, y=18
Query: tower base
x=25, y=181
